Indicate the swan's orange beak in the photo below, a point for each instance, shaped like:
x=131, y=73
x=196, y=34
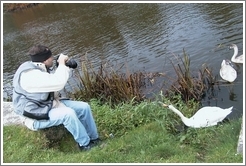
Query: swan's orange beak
x=165, y=105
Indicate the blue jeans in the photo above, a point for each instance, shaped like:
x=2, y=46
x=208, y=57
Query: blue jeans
x=76, y=117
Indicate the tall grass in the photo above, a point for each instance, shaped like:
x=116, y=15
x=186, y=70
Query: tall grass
x=187, y=84
x=107, y=84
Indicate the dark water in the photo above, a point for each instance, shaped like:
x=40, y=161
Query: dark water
x=144, y=36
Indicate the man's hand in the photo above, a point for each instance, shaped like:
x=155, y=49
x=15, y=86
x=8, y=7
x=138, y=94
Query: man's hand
x=62, y=59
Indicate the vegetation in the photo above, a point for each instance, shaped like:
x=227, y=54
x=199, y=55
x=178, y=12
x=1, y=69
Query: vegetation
x=109, y=85
x=11, y=7
x=188, y=85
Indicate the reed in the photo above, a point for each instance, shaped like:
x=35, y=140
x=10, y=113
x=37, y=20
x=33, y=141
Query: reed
x=187, y=84
x=107, y=84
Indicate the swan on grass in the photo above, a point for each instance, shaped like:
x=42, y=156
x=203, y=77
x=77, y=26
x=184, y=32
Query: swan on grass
x=204, y=117
x=227, y=72
x=235, y=58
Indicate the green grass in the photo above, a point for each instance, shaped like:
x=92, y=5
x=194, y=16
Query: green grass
x=141, y=135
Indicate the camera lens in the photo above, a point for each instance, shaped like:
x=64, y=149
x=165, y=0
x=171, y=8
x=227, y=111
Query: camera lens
x=71, y=63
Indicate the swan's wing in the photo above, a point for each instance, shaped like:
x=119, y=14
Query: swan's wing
x=209, y=111
x=228, y=73
x=209, y=116
x=239, y=59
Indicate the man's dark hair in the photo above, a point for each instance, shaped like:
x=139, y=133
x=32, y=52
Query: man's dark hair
x=39, y=53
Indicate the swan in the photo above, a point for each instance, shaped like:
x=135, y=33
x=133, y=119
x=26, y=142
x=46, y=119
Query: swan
x=227, y=72
x=204, y=117
x=235, y=58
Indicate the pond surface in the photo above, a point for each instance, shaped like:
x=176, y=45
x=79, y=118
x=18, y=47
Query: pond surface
x=145, y=36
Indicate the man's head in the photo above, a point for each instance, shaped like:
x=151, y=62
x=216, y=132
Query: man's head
x=40, y=53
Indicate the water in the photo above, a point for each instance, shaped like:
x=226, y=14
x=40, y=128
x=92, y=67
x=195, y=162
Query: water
x=144, y=36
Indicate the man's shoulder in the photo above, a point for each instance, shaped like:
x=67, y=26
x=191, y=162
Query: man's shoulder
x=29, y=65
x=26, y=64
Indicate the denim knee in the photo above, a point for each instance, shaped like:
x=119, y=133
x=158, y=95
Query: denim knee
x=69, y=114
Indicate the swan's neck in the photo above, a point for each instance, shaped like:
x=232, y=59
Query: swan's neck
x=235, y=53
x=183, y=118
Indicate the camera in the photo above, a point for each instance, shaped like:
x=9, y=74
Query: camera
x=71, y=63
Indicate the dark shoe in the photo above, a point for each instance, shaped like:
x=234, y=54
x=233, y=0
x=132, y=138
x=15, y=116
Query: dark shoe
x=95, y=141
x=84, y=148
x=91, y=144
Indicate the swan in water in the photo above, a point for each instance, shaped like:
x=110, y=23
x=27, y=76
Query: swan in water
x=235, y=58
x=227, y=72
x=205, y=117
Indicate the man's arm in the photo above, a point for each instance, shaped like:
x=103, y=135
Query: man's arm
x=38, y=81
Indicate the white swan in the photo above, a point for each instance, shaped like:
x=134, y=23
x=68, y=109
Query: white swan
x=227, y=72
x=205, y=117
x=235, y=58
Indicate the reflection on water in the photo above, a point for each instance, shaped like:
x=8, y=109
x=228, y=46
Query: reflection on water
x=144, y=36
x=232, y=96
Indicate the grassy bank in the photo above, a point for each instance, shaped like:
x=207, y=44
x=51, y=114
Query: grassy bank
x=131, y=133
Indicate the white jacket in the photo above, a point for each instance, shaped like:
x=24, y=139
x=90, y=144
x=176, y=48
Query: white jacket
x=37, y=81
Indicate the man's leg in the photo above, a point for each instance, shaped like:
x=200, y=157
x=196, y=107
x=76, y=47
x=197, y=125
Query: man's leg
x=85, y=116
x=67, y=117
